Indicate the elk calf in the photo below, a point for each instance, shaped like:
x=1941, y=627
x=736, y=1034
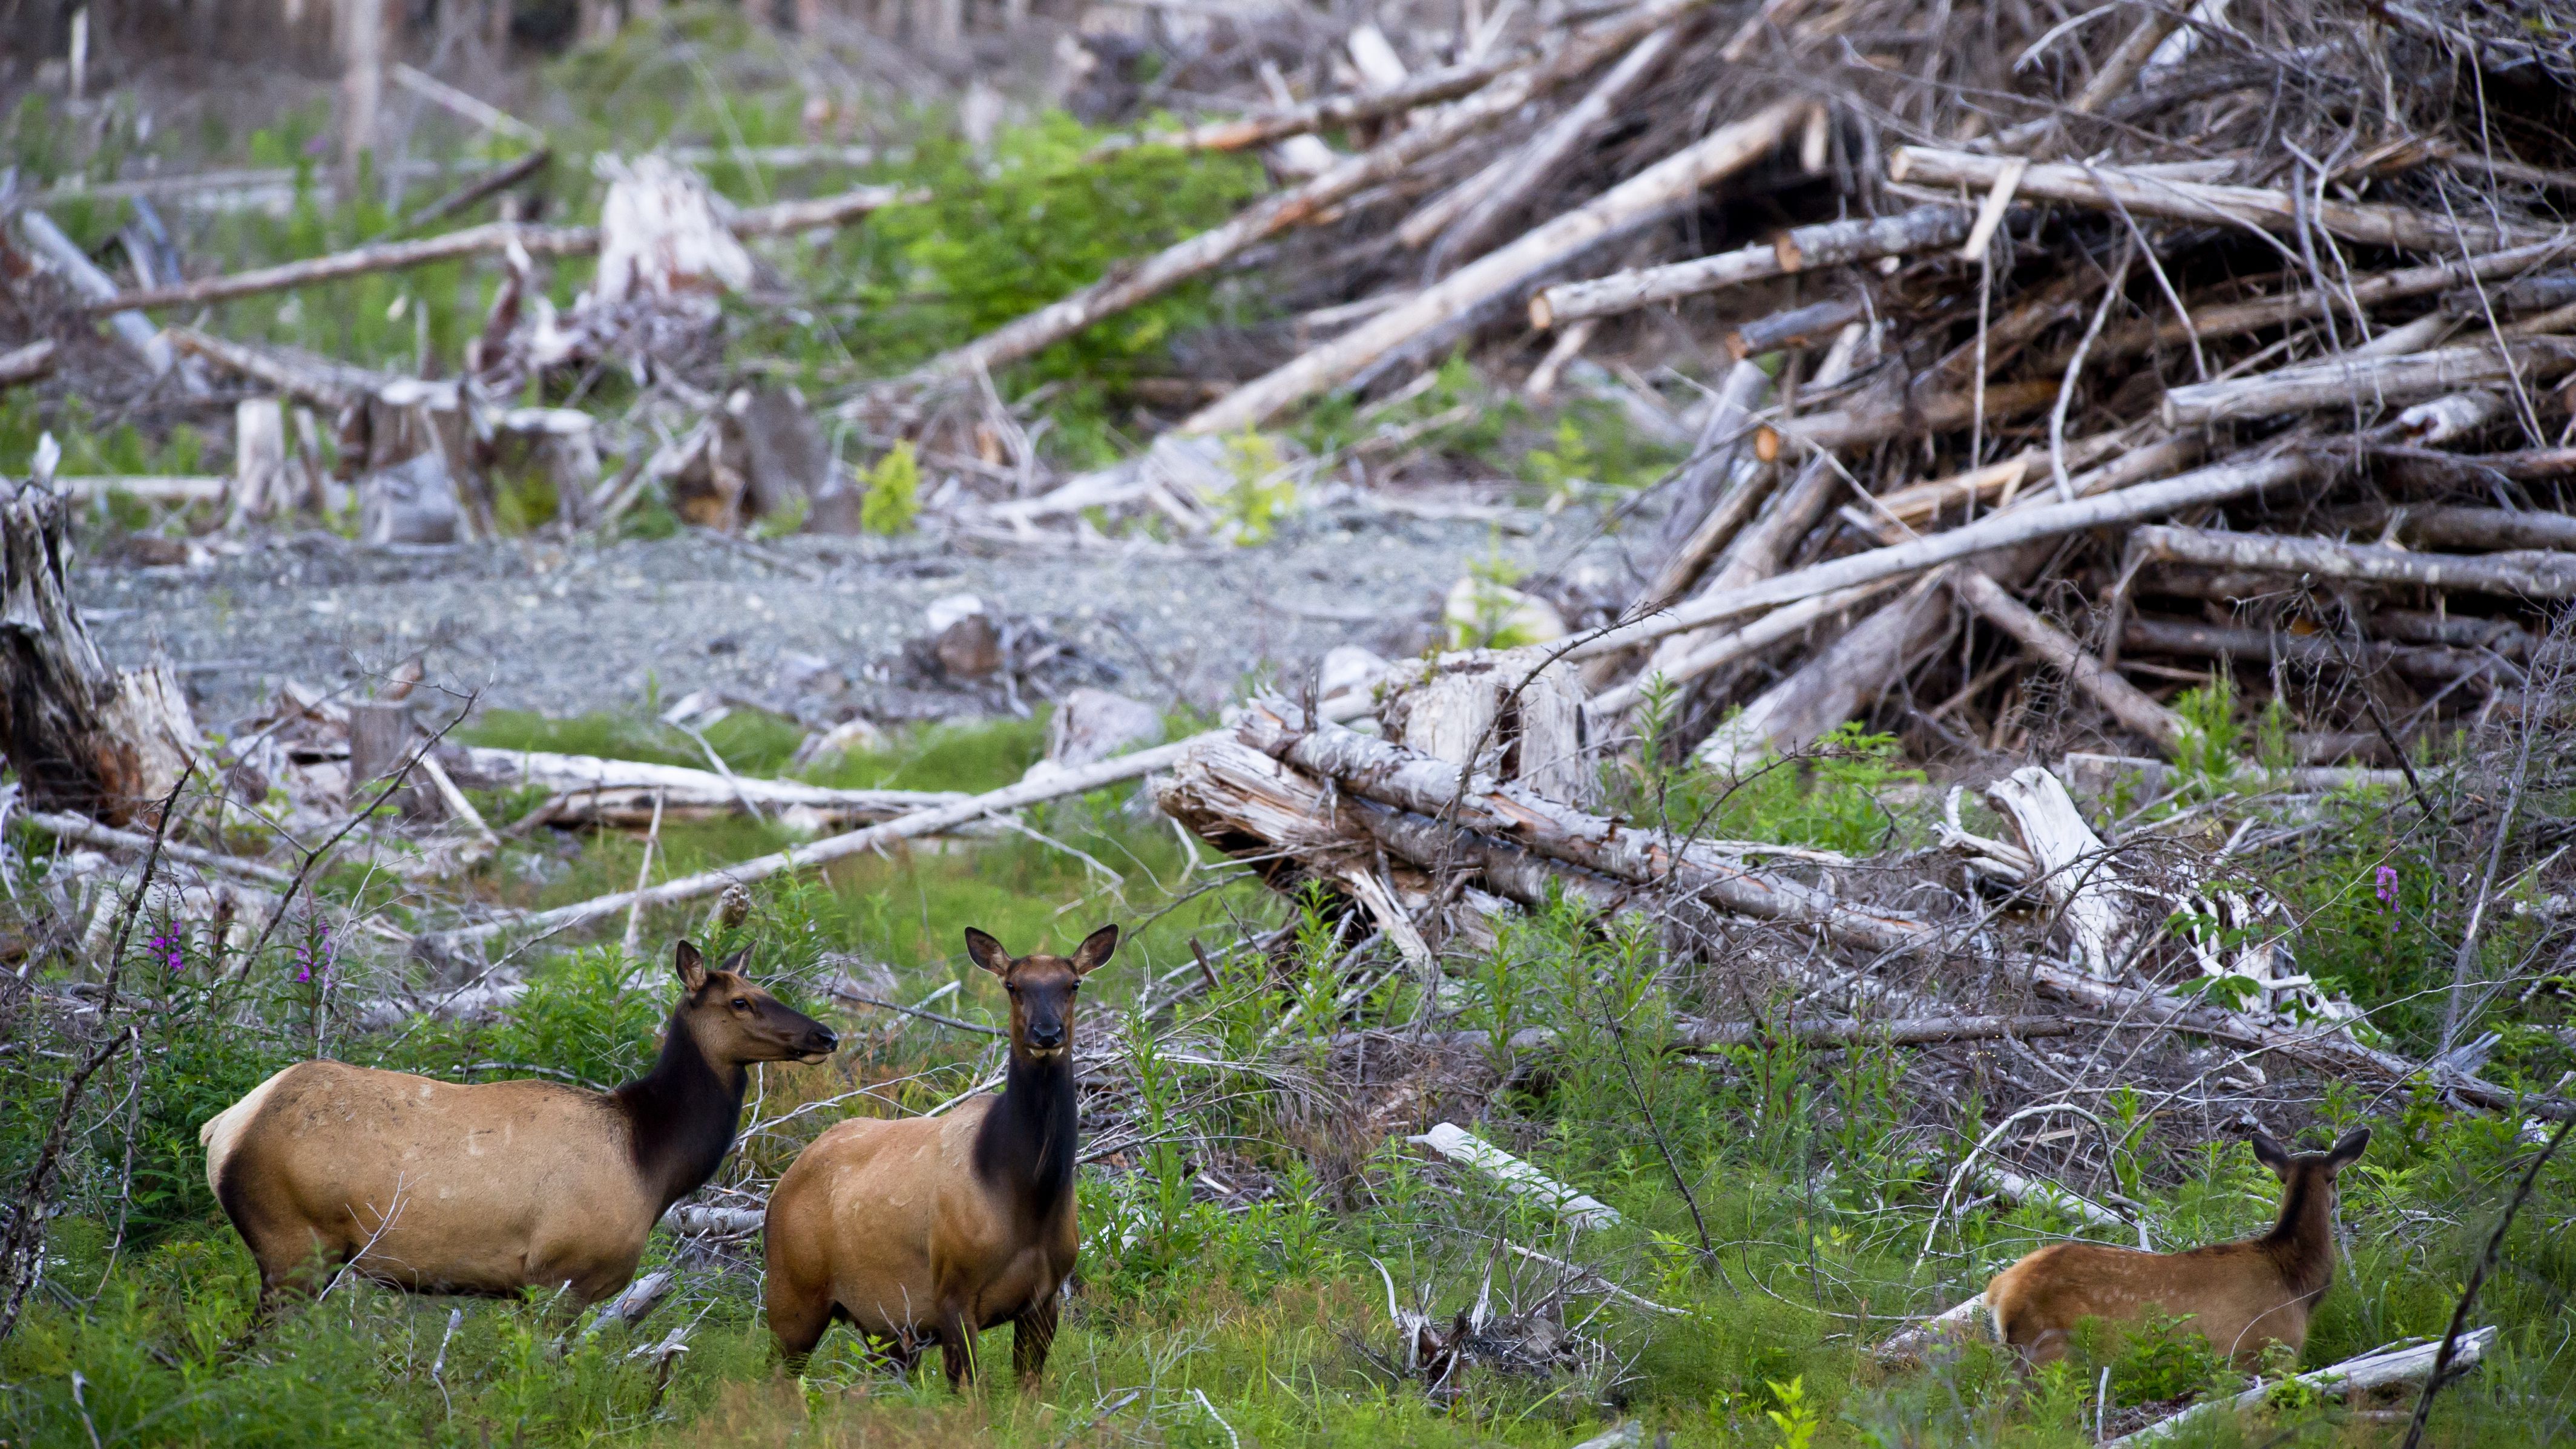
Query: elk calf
x=2241, y=1296
x=442, y=1187
x=927, y=1228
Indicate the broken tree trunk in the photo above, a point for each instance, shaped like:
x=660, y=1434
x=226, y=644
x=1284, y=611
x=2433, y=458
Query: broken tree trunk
x=2141, y=194
x=1649, y=193
x=2071, y=866
x=1838, y=243
x=1127, y=286
x=1542, y=159
x=1393, y=775
x=81, y=736
x=1517, y=712
x=2530, y=573
x=2214, y=484
x=1839, y=682
x=587, y=790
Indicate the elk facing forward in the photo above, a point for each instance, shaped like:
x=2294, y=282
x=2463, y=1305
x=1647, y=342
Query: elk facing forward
x=940, y=1227
x=448, y=1188
x=2242, y=1296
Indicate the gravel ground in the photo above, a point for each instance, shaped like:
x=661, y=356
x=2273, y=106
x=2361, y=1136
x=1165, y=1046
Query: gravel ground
x=814, y=626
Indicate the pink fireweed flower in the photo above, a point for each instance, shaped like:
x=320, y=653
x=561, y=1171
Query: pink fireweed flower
x=2386, y=886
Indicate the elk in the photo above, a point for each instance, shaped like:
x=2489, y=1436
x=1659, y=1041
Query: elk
x=442, y=1187
x=2241, y=1296
x=936, y=1228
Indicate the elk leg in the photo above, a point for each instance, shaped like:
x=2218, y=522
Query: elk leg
x=957, y=1349
x=798, y=1322
x=1032, y=1334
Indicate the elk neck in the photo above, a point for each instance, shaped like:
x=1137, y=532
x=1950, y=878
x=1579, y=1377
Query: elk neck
x=1025, y=1148
x=2302, y=1242
x=683, y=1114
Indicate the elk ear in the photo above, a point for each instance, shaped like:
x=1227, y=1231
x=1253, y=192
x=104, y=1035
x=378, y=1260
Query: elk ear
x=2347, y=1149
x=2272, y=1155
x=739, y=959
x=689, y=966
x=1095, y=950
x=986, y=952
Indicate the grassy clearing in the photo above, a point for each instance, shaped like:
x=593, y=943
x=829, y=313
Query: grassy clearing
x=1776, y=1200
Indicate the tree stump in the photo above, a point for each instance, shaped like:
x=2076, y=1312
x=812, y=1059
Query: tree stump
x=81, y=736
x=1523, y=721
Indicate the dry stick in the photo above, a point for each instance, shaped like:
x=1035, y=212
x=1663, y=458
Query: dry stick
x=86, y=831
x=1244, y=132
x=1714, y=490
x=2368, y=381
x=1884, y=418
x=2478, y=1280
x=1724, y=649
x=24, y=1242
x=907, y=827
x=2198, y=201
x=28, y=363
x=555, y=241
x=2075, y=369
x=1827, y=244
x=1542, y=159
x=2127, y=703
x=1722, y=153
x=2530, y=573
x=2215, y=484
x=634, y=940
x=493, y=181
x=2322, y=650
x=1128, y=286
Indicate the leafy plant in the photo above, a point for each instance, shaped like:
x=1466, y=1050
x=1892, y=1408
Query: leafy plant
x=893, y=496
x=1262, y=494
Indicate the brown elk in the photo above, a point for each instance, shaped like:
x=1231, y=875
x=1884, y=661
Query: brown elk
x=2241, y=1296
x=442, y=1187
x=937, y=1228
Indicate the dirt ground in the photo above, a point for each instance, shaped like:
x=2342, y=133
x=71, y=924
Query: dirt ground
x=815, y=628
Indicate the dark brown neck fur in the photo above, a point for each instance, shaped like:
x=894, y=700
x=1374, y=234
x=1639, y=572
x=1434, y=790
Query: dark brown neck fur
x=682, y=1116
x=2301, y=1244
x=1024, y=1150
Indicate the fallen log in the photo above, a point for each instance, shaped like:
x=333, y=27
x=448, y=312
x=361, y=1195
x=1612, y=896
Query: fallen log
x=98, y=293
x=585, y=789
x=1838, y=243
x=27, y=364
x=1542, y=159
x=2368, y=382
x=1715, y=490
x=1836, y=683
x=2376, y=1369
x=1796, y=327
x=2486, y=529
x=1710, y=650
x=1242, y=133
x=1126, y=286
x=1824, y=1032
x=778, y=219
x=2529, y=573
x=1392, y=775
x=2214, y=484
x=1457, y=1144
x=81, y=830
x=2145, y=194
x=1877, y=421
x=2126, y=702
x=1721, y=153
x=2315, y=651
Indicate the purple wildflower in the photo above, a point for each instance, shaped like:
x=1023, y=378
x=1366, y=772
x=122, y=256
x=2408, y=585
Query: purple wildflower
x=2387, y=886
x=314, y=957
x=170, y=946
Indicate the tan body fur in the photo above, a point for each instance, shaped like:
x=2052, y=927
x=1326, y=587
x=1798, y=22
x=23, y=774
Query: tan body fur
x=883, y=1225
x=929, y=1229
x=2243, y=1297
x=443, y=1187
x=455, y=1188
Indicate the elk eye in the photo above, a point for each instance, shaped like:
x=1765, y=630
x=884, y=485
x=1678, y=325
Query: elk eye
x=741, y=1004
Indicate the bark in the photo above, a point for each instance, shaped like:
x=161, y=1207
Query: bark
x=1242, y=133
x=1392, y=775
x=1918, y=504
x=1649, y=193
x=2314, y=651
x=1829, y=244
x=2367, y=382
x=2216, y=484
x=1877, y=420
x=1840, y=681
x=2487, y=529
x=28, y=363
x=81, y=736
x=782, y=218
x=2142, y=194
x=2529, y=573
x=1519, y=714
x=1126, y=286
x=1796, y=327
x=1715, y=490
x=1543, y=158
x=2126, y=702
